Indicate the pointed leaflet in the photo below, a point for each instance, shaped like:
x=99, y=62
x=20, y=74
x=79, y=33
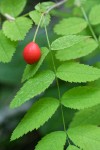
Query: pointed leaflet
x=55, y=141
x=81, y=97
x=81, y=49
x=7, y=48
x=38, y=114
x=86, y=137
x=66, y=41
x=72, y=25
x=36, y=16
x=30, y=70
x=12, y=7
x=75, y=72
x=71, y=147
x=87, y=116
x=33, y=87
x=17, y=29
x=94, y=15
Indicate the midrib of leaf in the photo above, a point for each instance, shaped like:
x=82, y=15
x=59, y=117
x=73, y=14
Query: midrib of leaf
x=4, y=50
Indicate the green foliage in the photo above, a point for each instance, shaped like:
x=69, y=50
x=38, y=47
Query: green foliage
x=86, y=137
x=71, y=147
x=36, y=16
x=55, y=140
x=76, y=72
x=94, y=15
x=68, y=44
x=81, y=97
x=17, y=29
x=66, y=41
x=37, y=115
x=7, y=48
x=87, y=116
x=33, y=87
x=43, y=7
x=31, y=70
x=12, y=7
x=78, y=50
x=72, y=25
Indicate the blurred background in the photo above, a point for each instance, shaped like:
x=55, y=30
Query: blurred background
x=10, y=82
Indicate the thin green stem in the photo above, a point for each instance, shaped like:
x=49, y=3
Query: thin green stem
x=57, y=82
x=38, y=28
x=52, y=7
x=90, y=27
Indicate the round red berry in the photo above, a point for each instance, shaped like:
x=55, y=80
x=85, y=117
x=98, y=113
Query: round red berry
x=31, y=53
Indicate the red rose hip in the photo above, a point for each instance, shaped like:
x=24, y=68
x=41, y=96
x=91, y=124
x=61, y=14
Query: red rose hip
x=31, y=53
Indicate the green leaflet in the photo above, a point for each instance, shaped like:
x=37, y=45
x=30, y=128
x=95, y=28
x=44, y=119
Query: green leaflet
x=81, y=97
x=37, y=115
x=87, y=116
x=86, y=137
x=94, y=15
x=75, y=72
x=71, y=147
x=66, y=41
x=17, y=29
x=72, y=25
x=36, y=16
x=7, y=48
x=81, y=49
x=55, y=141
x=33, y=87
x=44, y=6
x=31, y=70
x=12, y=7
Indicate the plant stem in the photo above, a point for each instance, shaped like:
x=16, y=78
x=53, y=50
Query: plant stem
x=37, y=28
x=57, y=82
x=90, y=27
x=56, y=5
x=49, y=9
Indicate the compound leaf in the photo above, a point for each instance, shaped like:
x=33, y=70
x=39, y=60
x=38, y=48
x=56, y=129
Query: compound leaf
x=12, y=7
x=81, y=97
x=72, y=25
x=43, y=7
x=7, y=48
x=94, y=15
x=76, y=72
x=37, y=115
x=87, y=116
x=33, y=87
x=55, y=140
x=36, y=16
x=86, y=137
x=81, y=49
x=17, y=29
x=67, y=41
